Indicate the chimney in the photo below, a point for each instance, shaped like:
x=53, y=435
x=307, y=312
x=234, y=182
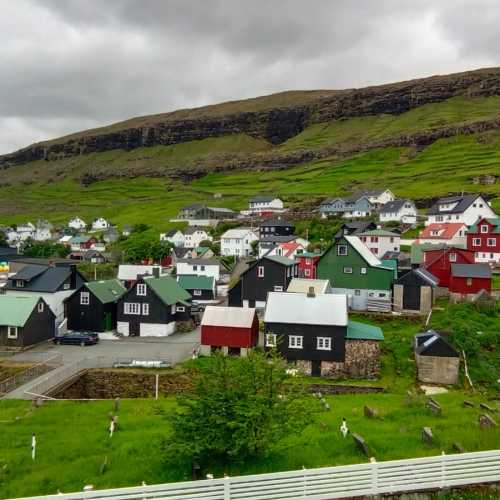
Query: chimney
x=72, y=279
x=156, y=271
x=311, y=293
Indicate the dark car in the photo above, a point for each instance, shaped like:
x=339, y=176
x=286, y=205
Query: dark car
x=77, y=338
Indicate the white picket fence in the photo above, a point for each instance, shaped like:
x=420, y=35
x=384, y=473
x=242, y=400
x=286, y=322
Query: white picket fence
x=397, y=476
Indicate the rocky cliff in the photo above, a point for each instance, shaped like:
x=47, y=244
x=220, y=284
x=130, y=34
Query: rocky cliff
x=273, y=118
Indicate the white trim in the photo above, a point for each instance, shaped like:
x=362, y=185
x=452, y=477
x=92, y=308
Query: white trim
x=132, y=308
x=40, y=307
x=260, y=271
x=180, y=309
x=295, y=341
x=145, y=309
x=9, y=334
x=270, y=340
x=324, y=343
x=84, y=298
x=141, y=289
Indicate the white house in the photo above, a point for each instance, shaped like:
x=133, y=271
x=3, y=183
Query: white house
x=128, y=273
x=174, y=236
x=379, y=241
x=290, y=249
x=25, y=231
x=43, y=230
x=399, y=210
x=77, y=223
x=198, y=267
x=260, y=204
x=237, y=242
x=450, y=233
x=466, y=209
x=194, y=235
x=270, y=245
x=379, y=197
x=100, y=224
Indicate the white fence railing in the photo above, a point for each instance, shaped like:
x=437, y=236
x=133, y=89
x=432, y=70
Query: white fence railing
x=397, y=476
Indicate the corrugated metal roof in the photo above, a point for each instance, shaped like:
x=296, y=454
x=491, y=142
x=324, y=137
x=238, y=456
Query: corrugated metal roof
x=363, y=250
x=427, y=276
x=107, y=290
x=196, y=282
x=168, y=290
x=280, y=260
x=363, y=331
x=15, y=310
x=238, y=317
x=302, y=285
x=237, y=233
x=471, y=270
x=298, y=308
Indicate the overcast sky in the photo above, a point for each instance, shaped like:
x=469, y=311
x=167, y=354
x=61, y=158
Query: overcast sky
x=68, y=65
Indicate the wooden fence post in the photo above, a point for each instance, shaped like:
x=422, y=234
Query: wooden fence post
x=227, y=488
x=374, y=466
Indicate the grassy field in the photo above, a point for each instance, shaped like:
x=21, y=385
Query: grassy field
x=67, y=460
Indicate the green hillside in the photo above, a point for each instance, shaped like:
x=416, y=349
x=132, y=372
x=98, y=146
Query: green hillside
x=145, y=184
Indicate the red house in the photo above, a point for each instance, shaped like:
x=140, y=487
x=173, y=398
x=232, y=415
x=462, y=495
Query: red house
x=439, y=261
x=483, y=238
x=234, y=329
x=470, y=278
x=307, y=264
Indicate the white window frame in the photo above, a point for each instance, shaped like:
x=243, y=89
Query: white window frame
x=484, y=228
x=357, y=293
x=362, y=270
x=66, y=286
x=324, y=343
x=145, y=309
x=260, y=271
x=476, y=242
x=180, y=309
x=307, y=272
x=197, y=293
x=40, y=307
x=172, y=309
x=270, y=340
x=491, y=242
x=19, y=284
x=452, y=257
x=84, y=298
x=345, y=270
x=141, y=289
x=342, y=247
x=12, y=335
x=132, y=308
x=278, y=288
x=295, y=341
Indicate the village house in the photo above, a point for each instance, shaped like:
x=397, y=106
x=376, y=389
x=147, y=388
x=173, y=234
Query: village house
x=22, y=233
x=307, y=262
x=276, y=227
x=313, y=332
x=469, y=279
x=152, y=307
x=203, y=289
x=194, y=235
x=263, y=205
x=448, y=233
x=267, y=274
x=288, y=249
x=349, y=208
x=77, y=224
x=174, y=236
x=53, y=283
x=379, y=197
x=200, y=212
x=237, y=242
x=401, y=210
x=128, y=274
x=268, y=245
x=483, y=238
x=355, y=271
x=466, y=209
x=111, y=235
x=43, y=230
x=93, y=306
x=100, y=224
x=301, y=285
x=198, y=267
x=414, y=292
x=25, y=321
x=80, y=243
x=355, y=227
x=380, y=241
x=232, y=330
x=438, y=262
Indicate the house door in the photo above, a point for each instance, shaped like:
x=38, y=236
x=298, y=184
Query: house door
x=411, y=298
x=134, y=329
x=108, y=323
x=316, y=368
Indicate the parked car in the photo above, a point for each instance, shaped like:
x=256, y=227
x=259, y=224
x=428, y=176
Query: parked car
x=77, y=338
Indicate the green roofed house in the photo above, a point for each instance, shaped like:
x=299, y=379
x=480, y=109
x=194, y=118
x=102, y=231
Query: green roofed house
x=25, y=321
x=354, y=270
x=153, y=306
x=201, y=288
x=93, y=306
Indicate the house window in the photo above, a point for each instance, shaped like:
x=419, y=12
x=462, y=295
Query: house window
x=453, y=257
x=84, y=298
x=145, y=309
x=308, y=262
x=12, y=332
x=132, y=308
x=324, y=344
x=181, y=309
x=347, y=270
x=172, y=309
x=342, y=250
x=20, y=284
x=202, y=268
x=295, y=341
x=260, y=271
x=141, y=289
x=197, y=292
x=66, y=286
x=307, y=272
x=357, y=293
x=271, y=340
x=40, y=307
x=195, y=268
x=491, y=242
x=476, y=242
x=484, y=229
x=363, y=270
x=469, y=281
x=381, y=295
x=439, y=218
x=278, y=288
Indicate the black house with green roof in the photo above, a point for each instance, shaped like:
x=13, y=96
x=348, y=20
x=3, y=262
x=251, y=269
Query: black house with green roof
x=93, y=307
x=152, y=307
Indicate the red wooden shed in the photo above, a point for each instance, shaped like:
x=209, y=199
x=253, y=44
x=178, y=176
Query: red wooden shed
x=438, y=262
x=470, y=278
x=232, y=327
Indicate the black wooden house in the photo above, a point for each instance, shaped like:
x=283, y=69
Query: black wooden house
x=93, y=306
x=268, y=274
x=276, y=227
x=414, y=291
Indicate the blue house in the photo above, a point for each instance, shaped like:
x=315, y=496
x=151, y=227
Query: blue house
x=348, y=208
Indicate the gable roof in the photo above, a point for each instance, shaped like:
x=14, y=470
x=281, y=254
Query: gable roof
x=238, y=233
x=394, y=206
x=374, y=192
x=203, y=262
x=494, y=221
x=236, y=317
x=129, y=272
x=172, y=232
x=297, y=308
x=284, y=261
x=302, y=285
x=263, y=199
x=471, y=270
x=363, y=331
x=363, y=251
x=168, y=290
x=380, y=232
x=447, y=230
x=275, y=221
x=289, y=247
x=417, y=251
x=463, y=203
x=427, y=340
x=196, y=282
x=106, y=290
x=193, y=229
x=49, y=280
x=426, y=276
x=15, y=310
x=277, y=239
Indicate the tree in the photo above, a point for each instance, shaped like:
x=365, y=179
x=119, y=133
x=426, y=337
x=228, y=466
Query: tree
x=255, y=247
x=3, y=238
x=143, y=246
x=45, y=249
x=240, y=408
